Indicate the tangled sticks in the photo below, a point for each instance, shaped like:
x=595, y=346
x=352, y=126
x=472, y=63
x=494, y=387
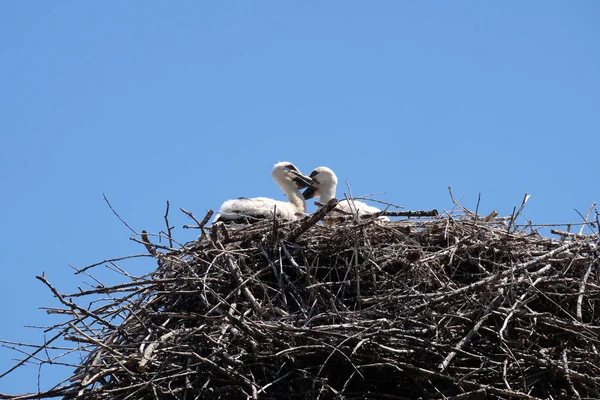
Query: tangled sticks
x=445, y=307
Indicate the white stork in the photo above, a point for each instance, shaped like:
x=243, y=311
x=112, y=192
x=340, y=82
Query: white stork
x=324, y=185
x=248, y=210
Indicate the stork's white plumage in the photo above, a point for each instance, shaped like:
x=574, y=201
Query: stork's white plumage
x=324, y=184
x=248, y=210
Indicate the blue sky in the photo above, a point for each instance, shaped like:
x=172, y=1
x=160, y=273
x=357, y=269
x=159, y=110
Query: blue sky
x=193, y=102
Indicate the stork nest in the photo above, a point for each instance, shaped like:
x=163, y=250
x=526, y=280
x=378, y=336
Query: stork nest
x=444, y=307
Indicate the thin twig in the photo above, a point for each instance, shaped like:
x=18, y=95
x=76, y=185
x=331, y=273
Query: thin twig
x=118, y=216
x=169, y=227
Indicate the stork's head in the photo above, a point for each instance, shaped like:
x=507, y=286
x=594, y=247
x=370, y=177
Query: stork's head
x=321, y=177
x=286, y=174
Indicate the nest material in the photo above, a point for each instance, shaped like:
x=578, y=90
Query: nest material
x=449, y=307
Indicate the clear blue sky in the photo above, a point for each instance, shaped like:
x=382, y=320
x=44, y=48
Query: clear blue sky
x=193, y=102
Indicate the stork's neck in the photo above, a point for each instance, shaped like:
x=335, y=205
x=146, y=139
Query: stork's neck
x=295, y=197
x=327, y=192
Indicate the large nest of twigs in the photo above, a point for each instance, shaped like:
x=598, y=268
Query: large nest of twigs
x=446, y=307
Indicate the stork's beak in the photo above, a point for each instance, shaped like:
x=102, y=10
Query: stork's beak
x=301, y=180
x=309, y=193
